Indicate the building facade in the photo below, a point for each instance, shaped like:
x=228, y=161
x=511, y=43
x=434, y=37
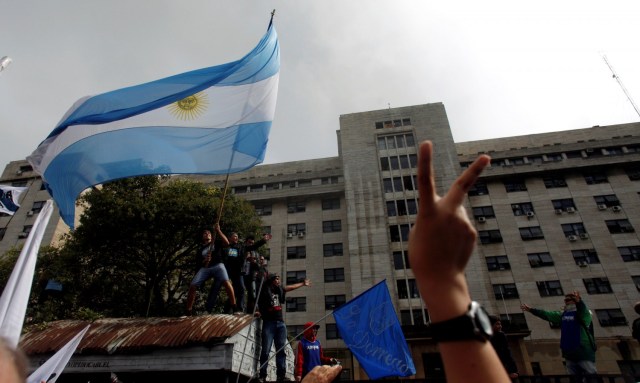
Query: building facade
x=555, y=213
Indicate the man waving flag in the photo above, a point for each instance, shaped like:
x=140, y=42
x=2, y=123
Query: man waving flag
x=209, y=121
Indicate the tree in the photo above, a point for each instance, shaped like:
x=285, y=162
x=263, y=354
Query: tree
x=133, y=253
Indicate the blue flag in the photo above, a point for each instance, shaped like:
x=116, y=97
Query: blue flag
x=214, y=120
x=369, y=326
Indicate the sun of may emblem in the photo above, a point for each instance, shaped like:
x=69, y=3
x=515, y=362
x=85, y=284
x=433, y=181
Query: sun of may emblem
x=190, y=107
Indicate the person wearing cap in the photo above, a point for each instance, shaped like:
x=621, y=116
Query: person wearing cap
x=310, y=352
x=274, y=330
x=578, y=347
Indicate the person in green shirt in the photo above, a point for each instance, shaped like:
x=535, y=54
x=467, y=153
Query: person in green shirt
x=576, y=342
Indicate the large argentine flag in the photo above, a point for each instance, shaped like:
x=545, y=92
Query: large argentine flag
x=209, y=121
x=9, y=198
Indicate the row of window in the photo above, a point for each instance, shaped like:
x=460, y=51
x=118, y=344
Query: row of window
x=400, y=184
x=330, y=331
x=552, y=288
x=402, y=161
x=562, y=205
x=552, y=181
x=554, y=157
x=328, y=250
x=296, y=206
x=582, y=257
x=396, y=141
x=331, y=226
x=572, y=231
x=393, y=123
x=330, y=275
x=299, y=304
x=285, y=185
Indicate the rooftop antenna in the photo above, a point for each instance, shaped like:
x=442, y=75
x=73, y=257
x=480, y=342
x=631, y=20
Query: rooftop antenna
x=626, y=93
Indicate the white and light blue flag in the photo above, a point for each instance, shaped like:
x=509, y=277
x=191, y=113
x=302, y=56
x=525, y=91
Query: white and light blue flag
x=15, y=296
x=51, y=370
x=209, y=121
x=9, y=198
x=369, y=326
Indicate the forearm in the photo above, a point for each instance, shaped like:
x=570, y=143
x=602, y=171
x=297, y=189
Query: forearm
x=294, y=286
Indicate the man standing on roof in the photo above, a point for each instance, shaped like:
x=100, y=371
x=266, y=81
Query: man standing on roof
x=211, y=266
x=310, y=352
x=237, y=264
x=274, y=330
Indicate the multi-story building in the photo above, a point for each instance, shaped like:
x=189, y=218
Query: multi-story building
x=555, y=212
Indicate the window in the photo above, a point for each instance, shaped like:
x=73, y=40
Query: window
x=611, y=317
x=407, y=289
x=607, y=200
x=554, y=157
x=409, y=183
x=505, y=291
x=331, y=226
x=412, y=317
x=531, y=233
x=37, y=206
x=27, y=229
x=296, y=207
x=294, y=331
x=565, y=204
x=483, y=211
x=304, y=183
x=19, y=183
x=498, y=262
x=515, y=185
x=298, y=304
x=263, y=209
x=296, y=228
x=26, y=168
x=384, y=164
x=554, y=181
x=514, y=322
x=296, y=252
x=332, y=302
x=3, y=230
x=331, y=204
x=594, y=178
x=523, y=208
x=296, y=276
x=617, y=226
x=387, y=183
x=273, y=186
x=490, y=236
x=540, y=259
x=334, y=275
x=633, y=173
x=636, y=281
x=549, y=288
x=597, y=285
x=402, y=207
x=332, y=249
x=266, y=229
x=331, y=331
x=329, y=180
x=400, y=260
x=573, y=228
x=399, y=232
x=585, y=256
x=629, y=253
x=479, y=188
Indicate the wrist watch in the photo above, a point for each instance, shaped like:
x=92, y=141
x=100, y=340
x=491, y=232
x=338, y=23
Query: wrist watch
x=472, y=325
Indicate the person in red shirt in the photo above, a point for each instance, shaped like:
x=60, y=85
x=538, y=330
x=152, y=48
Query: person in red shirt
x=310, y=352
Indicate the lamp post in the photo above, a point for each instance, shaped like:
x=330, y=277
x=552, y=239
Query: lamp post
x=4, y=62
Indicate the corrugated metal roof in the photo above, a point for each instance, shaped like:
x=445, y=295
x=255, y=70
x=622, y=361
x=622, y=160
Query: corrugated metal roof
x=134, y=335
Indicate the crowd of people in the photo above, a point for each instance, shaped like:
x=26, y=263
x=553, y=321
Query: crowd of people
x=471, y=343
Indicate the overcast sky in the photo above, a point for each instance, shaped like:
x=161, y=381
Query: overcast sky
x=501, y=68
